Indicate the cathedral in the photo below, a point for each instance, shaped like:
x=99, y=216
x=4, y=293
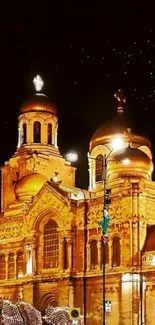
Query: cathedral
x=51, y=244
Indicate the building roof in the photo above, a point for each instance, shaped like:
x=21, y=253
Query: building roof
x=38, y=102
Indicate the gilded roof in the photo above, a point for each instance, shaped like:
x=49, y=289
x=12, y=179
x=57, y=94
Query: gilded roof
x=133, y=154
x=38, y=102
x=29, y=185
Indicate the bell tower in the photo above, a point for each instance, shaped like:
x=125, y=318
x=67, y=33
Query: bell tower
x=38, y=123
x=37, y=155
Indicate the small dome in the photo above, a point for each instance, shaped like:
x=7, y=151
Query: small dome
x=29, y=185
x=38, y=102
x=129, y=162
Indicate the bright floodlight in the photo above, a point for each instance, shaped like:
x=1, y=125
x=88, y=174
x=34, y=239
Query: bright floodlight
x=126, y=161
x=72, y=156
x=117, y=143
x=38, y=83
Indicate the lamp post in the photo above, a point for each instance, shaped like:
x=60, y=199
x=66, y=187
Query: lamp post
x=117, y=144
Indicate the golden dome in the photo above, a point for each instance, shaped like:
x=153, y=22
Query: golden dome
x=29, y=185
x=129, y=162
x=133, y=154
x=38, y=102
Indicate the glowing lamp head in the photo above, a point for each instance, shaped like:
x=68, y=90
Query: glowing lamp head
x=117, y=143
x=38, y=83
x=126, y=161
x=72, y=156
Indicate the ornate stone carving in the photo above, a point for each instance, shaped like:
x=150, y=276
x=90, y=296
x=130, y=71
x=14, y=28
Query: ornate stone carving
x=13, y=231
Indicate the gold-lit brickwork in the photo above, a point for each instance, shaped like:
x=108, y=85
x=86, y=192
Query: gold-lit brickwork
x=51, y=252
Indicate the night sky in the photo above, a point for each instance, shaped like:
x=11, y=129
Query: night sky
x=84, y=56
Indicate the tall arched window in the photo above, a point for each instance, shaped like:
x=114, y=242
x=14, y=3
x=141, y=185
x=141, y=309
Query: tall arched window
x=93, y=254
x=24, y=133
x=99, y=168
x=11, y=266
x=2, y=267
x=51, y=245
x=106, y=253
x=116, y=252
x=37, y=132
x=20, y=265
x=49, y=133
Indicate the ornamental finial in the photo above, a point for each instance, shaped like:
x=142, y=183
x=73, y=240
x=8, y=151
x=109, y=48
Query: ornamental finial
x=38, y=83
x=121, y=99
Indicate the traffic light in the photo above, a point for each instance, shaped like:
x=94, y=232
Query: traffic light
x=107, y=197
x=74, y=313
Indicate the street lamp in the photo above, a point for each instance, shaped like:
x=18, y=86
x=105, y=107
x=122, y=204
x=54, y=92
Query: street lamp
x=117, y=143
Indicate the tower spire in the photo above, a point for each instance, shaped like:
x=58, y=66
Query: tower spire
x=121, y=99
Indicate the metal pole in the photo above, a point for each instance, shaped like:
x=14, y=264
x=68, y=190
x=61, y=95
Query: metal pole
x=104, y=243
x=141, y=289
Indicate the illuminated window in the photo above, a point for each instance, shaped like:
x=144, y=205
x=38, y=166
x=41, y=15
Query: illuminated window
x=93, y=254
x=2, y=267
x=99, y=168
x=106, y=252
x=24, y=134
x=20, y=265
x=49, y=133
x=51, y=245
x=11, y=266
x=116, y=252
x=37, y=132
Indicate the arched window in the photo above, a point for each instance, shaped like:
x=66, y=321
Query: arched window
x=99, y=168
x=93, y=254
x=2, y=267
x=49, y=133
x=37, y=132
x=24, y=134
x=106, y=253
x=116, y=252
x=51, y=245
x=11, y=266
x=20, y=265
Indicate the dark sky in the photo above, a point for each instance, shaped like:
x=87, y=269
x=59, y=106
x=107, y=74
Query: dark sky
x=84, y=54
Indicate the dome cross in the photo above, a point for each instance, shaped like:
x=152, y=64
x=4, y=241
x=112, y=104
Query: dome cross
x=38, y=83
x=121, y=99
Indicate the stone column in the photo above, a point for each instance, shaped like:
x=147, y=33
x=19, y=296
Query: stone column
x=29, y=132
x=110, y=252
x=126, y=300
x=69, y=252
x=44, y=134
x=15, y=265
x=19, y=136
x=88, y=256
x=71, y=296
x=99, y=245
x=33, y=259
x=54, y=136
x=61, y=253
x=7, y=267
x=29, y=265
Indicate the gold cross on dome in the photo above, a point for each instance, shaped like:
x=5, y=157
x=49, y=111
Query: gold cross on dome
x=120, y=97
x=38, y=83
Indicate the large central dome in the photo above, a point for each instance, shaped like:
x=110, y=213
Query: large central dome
x=118, y=125
x=38, y=102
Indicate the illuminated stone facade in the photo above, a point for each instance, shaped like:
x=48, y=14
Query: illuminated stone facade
x=50, y=242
